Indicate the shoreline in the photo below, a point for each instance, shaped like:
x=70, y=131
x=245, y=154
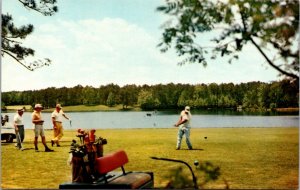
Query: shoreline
x=95, y=108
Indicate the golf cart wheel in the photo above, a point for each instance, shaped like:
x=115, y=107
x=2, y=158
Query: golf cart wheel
x=9, y=139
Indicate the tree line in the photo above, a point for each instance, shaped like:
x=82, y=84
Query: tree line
x=257, y=95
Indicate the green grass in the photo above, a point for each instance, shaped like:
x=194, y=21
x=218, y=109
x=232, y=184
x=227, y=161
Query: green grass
x=249, y=158
x=80, y=108
x=84, y=108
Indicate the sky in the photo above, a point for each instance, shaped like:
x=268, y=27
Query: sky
x=98, y=42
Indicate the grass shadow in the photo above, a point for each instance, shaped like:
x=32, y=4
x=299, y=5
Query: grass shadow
x=5, y=143
x=27, y=149
x=201, y=149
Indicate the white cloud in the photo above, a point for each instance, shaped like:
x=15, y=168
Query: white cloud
x=98, y=52
x=22, y=19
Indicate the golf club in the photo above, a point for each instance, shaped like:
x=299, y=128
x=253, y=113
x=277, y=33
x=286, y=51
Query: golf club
x=183, y=162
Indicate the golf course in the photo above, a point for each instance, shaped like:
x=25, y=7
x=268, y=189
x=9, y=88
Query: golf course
x=249, y=158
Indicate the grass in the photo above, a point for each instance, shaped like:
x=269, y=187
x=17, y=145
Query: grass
x=84, y=108
x=249, y=158
x=80, y=108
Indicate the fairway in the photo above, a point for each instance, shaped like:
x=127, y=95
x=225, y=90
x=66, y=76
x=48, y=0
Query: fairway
x=249, y=158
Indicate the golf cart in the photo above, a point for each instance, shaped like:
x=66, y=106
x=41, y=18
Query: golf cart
x=93, y=170
x=7, y=130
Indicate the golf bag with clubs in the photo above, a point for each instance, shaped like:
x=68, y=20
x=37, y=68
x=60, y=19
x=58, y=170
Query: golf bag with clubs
x=83, y=156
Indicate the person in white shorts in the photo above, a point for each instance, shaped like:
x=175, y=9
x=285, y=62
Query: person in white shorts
x=38, y=122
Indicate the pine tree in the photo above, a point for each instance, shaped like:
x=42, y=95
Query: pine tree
x=13, y=36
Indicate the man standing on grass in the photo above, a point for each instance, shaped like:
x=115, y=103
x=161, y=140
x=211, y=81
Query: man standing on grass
x=184, y=128
x=38, y=122
x=19, y=128
x=57, y=118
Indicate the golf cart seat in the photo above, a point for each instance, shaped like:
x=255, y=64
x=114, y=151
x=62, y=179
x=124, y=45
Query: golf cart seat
x=115, y=180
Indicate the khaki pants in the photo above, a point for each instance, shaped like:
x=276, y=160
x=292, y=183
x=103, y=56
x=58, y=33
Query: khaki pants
x=58, y=132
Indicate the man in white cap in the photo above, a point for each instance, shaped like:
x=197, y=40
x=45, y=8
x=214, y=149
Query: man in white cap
x=184, y=128
x=57, y=118
x=19, y=128
x=38, y=122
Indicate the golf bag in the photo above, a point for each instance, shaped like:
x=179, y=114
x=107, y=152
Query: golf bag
x=84, y=156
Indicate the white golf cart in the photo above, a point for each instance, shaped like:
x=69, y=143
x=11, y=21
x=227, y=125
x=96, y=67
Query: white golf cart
x=7, y=130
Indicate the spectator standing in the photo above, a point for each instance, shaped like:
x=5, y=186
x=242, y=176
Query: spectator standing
x=19, y=127
x=38, y=122
x=57, y=119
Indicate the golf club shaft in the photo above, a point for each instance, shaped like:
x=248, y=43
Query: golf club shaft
x=180, y=161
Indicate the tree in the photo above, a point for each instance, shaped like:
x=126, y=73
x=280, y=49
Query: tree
x=185, y=98
x=264, y=24
x=13, y=36
x=129, y=95
x=110, y=100
x=88, y=94
x=147, y=101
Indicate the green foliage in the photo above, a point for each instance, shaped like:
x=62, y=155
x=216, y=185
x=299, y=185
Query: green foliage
x=185, y=98
x=110, y=99
x=128, y=95
x=13, y=36
x=205, y=172
x=178, y=179
x=256, y=95
x=45, y=7
x=89, y=95
x=3, y=106
x=208, y=172
x=147, y=101
x=233, y=24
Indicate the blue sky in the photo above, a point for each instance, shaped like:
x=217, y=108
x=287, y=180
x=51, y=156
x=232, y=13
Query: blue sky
x=97, y=42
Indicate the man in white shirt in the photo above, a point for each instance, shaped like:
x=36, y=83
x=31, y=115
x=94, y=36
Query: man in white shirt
x=57, y=118
x=184, y=128
x=19, y=127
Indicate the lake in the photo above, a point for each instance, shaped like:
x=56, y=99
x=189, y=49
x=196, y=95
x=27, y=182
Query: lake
x=161, y=119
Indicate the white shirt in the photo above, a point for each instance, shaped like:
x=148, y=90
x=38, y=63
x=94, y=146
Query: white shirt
x=18, y=119
x=58, y=116
x=187, y=117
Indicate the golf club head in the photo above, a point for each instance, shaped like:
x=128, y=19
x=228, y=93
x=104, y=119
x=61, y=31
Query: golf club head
x=196, y=163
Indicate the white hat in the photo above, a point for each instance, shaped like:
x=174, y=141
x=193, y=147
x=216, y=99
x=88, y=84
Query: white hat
x=187, y=108
x=38, y=106
x=19, y=110
x=58, y=106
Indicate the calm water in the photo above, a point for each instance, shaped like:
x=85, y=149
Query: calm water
x=118, y=119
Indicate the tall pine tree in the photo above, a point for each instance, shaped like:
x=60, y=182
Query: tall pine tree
x=13, y=36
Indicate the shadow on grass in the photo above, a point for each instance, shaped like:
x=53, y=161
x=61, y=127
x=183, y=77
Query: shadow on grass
x=5, y=143
x=60, y=146
x=191, y=149
x=27, y=149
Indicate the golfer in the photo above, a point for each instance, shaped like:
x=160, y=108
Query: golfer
x=19, y=128
x=38, y=122
x=184, y=128
x=57, y=118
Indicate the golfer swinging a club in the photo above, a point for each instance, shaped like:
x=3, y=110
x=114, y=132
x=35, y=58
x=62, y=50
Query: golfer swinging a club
x=184, y=128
